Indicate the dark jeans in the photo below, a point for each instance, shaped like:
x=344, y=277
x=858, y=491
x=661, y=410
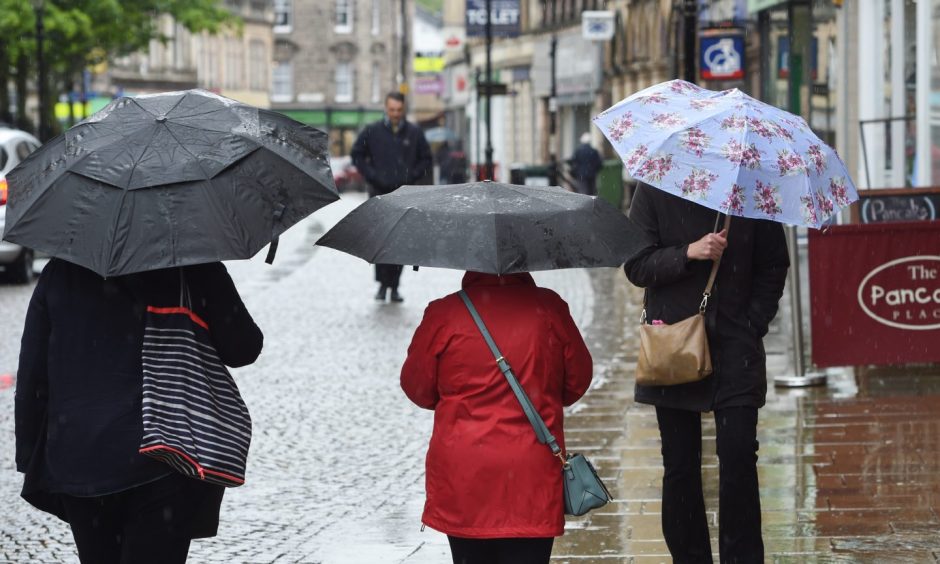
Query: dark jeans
x=137, y=526
x=684, y=523
x=388, y=274
x=501, y=551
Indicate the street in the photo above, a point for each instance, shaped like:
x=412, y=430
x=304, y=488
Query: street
x=849, y=472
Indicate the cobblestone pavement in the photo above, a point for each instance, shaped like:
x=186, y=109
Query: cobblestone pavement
x=848, y=471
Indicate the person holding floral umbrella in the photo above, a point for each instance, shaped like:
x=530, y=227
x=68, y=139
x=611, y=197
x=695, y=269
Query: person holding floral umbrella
x=698, y=152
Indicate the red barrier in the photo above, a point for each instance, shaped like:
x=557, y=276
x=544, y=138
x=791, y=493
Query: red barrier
x=875, y=293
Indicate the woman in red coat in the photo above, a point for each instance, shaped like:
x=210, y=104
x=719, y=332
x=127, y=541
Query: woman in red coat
x=491, y=486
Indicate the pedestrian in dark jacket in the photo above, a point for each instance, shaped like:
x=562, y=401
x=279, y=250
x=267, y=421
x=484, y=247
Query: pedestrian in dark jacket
x=674, y=269
x=491, y=486
x=391, y=153
x=79, y=390
x=586, y=163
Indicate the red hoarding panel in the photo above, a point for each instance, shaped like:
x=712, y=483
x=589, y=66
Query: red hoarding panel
x=875, y=292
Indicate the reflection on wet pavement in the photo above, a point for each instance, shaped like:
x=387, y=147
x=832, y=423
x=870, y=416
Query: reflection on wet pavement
x=849, y=472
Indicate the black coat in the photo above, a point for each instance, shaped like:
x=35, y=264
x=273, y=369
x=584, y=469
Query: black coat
x=586, y=163
x=388, y=160
x=744, y=299
x=79, y=383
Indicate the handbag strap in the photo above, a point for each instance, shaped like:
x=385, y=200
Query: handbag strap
x=185, y=299
x=541, y=430
x=714, y=273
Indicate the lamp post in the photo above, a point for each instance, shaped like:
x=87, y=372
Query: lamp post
x=488, y=89
x=39, y=7
x=801, y=34
x=690, y=14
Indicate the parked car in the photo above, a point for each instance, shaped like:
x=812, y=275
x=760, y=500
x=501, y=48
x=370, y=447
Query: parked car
x=16, y=261
x=345, y=174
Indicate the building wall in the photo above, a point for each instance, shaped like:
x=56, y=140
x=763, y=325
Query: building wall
x=235, y=62
x=318, y=46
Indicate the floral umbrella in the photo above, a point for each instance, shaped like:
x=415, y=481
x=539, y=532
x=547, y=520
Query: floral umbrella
x=729, y=152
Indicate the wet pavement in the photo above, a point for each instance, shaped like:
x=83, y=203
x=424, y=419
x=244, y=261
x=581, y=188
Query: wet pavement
x=850, y=472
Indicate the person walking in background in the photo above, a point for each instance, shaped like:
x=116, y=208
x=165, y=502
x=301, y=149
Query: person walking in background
x=585, y=164
x=78, y=409
x=391, y=153
x=491, y=486
x=674, y=269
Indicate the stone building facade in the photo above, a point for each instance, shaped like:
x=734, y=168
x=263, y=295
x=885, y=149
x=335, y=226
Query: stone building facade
x=335, y=60
x=235, y=62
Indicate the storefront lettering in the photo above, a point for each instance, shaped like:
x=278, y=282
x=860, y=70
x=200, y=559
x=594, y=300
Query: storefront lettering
x=903, y=293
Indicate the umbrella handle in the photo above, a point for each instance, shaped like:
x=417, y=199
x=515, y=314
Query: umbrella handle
x=272, y=248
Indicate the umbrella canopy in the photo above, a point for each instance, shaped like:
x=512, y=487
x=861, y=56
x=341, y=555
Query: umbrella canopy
x=729, y=152
x=168, y=180
x=487, y=227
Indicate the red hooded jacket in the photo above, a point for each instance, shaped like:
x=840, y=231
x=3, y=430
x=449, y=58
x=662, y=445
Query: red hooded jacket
x=487, y=475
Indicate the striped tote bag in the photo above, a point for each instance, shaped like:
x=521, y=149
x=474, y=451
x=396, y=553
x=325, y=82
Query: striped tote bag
x=194, y=419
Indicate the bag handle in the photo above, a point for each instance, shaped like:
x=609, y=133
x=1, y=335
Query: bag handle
x=185, y=299
x=541, y=430
x=711, y=277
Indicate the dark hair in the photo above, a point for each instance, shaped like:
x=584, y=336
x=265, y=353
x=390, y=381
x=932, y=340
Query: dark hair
x=395, y=96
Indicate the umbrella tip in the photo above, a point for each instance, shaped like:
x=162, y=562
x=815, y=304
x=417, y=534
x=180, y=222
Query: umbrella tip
x=161, y=119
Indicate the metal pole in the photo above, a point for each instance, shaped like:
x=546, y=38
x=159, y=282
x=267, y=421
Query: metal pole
x=691, y=28
x=923, y=89
x=801, y=33
x=489, y=92
x=41, y=67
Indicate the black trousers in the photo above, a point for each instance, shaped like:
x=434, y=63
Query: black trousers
x=501, y=551
x=684, y=522
x=388, y=274
x=137, y=526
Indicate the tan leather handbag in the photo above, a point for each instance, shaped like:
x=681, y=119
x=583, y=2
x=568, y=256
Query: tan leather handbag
x=677, y=353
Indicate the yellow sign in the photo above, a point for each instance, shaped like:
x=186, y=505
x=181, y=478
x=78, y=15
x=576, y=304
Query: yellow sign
x=429, y=64
x=62, y=110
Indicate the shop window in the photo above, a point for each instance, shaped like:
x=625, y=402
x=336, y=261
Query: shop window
x=282, y=82
x=343, y=76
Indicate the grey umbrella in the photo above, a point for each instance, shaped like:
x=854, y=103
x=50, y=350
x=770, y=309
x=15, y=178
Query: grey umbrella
x=168, y=180
x=487, y=227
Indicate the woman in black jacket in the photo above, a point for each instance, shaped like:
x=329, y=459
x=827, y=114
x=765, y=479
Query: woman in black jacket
x=674, y=269
x=78, y=409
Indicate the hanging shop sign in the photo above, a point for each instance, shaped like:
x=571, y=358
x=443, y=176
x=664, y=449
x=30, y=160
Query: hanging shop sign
x=721, y=54
x=880, y=306
x=504, y=18
x=597, y=25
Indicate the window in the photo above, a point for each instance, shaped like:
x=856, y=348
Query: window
x=282, y=82
x=344, y=16
x=376, y=83
x=283, y=16
x=233, y=64
x=344, y=82
x=376, y=16
x=257, y=55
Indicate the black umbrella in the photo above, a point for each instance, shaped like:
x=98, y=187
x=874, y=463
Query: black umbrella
x=168, y=180
x=487, y=227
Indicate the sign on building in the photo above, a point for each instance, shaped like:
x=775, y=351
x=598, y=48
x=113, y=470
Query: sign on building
x=597, y=25
x=504, y=18
x=721, y=54
x=881, y=306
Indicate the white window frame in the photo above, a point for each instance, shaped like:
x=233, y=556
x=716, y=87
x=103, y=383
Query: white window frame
x=285, y=7
x=376, y=17
x=347, y=8
x=282, y=82
x=376, y=83
x=344, y=75
x=257, y=56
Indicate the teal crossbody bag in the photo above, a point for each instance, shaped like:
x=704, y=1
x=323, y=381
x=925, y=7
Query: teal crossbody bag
x=583, y=489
